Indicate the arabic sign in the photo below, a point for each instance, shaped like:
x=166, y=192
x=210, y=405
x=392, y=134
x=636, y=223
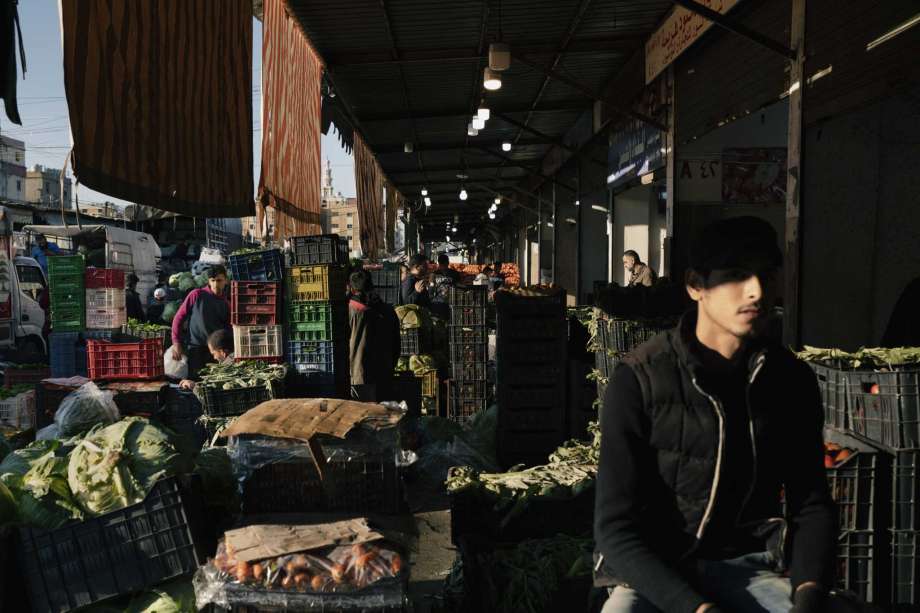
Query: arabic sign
x=678, y=32
x=755, y=175
x=635, y=151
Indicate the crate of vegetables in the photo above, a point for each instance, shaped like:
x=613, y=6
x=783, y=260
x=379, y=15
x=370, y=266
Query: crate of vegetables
x=141, y=330
x=17, y=406
x=112, y=554
x=338, y=566
x=859, y=477
x=16, y=374
x=233, y=389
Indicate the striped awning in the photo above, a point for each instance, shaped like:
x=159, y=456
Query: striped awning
x=291, y=109
x=160, y=101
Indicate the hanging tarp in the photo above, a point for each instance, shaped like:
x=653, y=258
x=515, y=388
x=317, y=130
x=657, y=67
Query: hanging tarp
x=334, y=117
x=160, y=101
x=369, y=182
x=393, y=205
x=291, y=107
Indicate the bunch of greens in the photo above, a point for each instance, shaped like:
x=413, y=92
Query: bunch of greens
x=116, y=466
x=134, y=325
x=34, y=486
x=526, y=577
x=872, y=358
x=247, y=373
x=15, y=390
x=413, y=317
x=245, y=250
x=170, y=310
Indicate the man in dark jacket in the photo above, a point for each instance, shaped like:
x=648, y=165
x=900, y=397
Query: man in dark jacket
x=133, y=307
x=702, y=428
x=374, y=344
x=415, y=285
x=207, y=310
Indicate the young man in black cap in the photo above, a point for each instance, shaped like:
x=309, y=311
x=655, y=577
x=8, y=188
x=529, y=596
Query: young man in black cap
x=703, y=427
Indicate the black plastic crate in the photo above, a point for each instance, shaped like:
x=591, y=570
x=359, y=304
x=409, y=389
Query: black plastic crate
x=582, y=393
x=532, y=352
x=832, y=383
x=516, y=327
x=468, y=296
x=460, y=335
x=467, y=315
x=469, y=353
x=319, y=249
x=906, y=491
x=469, y=371
x=465, y=399
x=885, y=406
x=229, y=403
x=626, y=334
x=532, y=375
x=410, y=342
x=257, y=266
x=144, y=402
x=321, y=361
x=246, y=599
x=387, y=276
x=117, y=553
x=390, y=295
x=861, y=487
x=181, y=415
x=905, y=569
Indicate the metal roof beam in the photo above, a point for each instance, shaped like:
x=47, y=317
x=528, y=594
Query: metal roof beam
x=587, y=91
x=459, y=168
x=732, y=26
x=535, y=173
x=382, y=57
x=556, y=107
x=383, y=149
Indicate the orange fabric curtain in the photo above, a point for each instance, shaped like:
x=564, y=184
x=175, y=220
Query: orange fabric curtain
x=291, y=113
x=369, y=185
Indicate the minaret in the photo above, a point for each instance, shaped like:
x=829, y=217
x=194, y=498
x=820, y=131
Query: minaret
x=327, y=182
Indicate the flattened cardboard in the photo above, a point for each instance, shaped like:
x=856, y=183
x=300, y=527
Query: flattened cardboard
x=303, y=418
x=259, y=542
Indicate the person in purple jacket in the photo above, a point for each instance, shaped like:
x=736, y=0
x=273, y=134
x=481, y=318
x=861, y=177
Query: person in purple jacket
x=207, y=310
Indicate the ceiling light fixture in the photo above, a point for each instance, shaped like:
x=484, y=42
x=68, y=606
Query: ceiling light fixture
x=424, y=191
x=470, y=130
x=427, y=201
x=408, y=147
x=463, y=194
x=598, y=208
x=491, y=215
x=453, y=230
x=498, y=200
x=506, y=146
x=499, y=56
x=578, y=203
x=478, y=123
x=483, y=113
x=491, y=79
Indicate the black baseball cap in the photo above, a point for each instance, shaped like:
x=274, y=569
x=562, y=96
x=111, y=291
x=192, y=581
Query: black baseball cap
x=737, y=243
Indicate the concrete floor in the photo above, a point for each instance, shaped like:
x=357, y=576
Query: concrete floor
x=431, y=563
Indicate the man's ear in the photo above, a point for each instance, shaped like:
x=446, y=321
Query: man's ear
x=694, y=284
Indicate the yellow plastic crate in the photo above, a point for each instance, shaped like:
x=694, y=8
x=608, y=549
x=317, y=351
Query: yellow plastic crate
x=318, y=282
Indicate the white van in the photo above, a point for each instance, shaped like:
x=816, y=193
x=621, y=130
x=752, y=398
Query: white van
x=119, y=248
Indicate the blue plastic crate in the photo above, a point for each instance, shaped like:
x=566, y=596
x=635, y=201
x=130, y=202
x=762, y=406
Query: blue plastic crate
x=67, y=351
x=257, y=266
x=319, y=360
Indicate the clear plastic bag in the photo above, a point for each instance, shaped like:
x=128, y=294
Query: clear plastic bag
x=367, y=575
x=175, y=369
x=84, y=408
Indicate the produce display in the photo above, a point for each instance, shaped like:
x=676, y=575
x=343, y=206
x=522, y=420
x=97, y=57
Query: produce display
x=420, y=364
x=142, y=326
x=52, y=482
x=413, y=317
x=186, y=281
x=877, y=357
x=526, y=577
x=571, y=470
x=14, y=391
x=248, y=373
x=835, y=455
x=331, y=570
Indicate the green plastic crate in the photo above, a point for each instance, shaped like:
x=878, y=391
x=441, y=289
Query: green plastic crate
x=69, y=318
x=66, y=284
x=321, y=321
x=60, y=265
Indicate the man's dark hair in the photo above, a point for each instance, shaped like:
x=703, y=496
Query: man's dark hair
x=360, y=282
x=747, y=244
x=633, y=255
x=443, y=260
x=216, y=271
x=418, y=259
x=132, y=279
x=221, y=339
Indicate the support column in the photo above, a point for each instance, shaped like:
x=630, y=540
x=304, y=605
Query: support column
x=670, y=178
x=792, y=333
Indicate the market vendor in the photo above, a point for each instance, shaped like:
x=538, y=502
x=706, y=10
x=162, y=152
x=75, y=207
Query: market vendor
x=415, y=285
x=220, y=345
x=155, y=310
x=207, y=311
x=373, y=345
x=701, y=429
x=133, y=307
x=640, y=273
x=42, y=249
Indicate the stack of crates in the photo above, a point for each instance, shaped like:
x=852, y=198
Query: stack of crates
x=469, y=352
x=105, y=298
x=317, y=314
x=387, y=282
x=65, y=278
x=531, y=376
x=255, y=305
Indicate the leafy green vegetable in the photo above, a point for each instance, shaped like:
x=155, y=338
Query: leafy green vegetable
x=36, y=479
x=237, y=375
x=175, y=597
x=141, y=326
x=412, y=316
x=170, y=310
x=15, y=390
x=116, y=466
x=872, y=358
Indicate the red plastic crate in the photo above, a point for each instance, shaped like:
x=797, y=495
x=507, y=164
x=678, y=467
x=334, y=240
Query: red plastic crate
x=104, y=278
x=255, y=303
x=137, y=360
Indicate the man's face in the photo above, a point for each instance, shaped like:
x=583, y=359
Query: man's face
x=217, y=284
x=416, y=271
x=42, y=242
x=629, y=262
x=737, y=301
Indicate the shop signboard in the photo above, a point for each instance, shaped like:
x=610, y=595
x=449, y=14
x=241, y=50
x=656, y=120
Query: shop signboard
x=678, y=32
x=754, y=175
x=699, y=179
x=635, y=150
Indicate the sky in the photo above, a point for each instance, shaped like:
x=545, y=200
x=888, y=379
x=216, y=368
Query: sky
x=43, y=106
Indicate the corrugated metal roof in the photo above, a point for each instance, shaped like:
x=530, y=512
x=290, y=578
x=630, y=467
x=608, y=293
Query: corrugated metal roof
x=411, y=70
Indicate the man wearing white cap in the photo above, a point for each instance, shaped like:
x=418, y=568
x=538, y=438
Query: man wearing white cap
x=155, y=310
